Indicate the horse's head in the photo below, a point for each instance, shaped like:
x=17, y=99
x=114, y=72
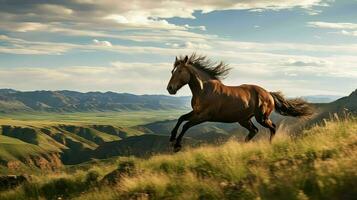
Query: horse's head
x=180, y=75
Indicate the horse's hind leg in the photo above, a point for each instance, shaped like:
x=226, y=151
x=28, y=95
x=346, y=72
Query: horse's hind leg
x=267, y=123
x=253, y=130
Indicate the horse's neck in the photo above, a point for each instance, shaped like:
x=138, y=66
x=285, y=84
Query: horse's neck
x=201, y=74
x=194, y=82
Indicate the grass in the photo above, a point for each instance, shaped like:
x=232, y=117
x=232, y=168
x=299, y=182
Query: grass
x=17, y=148
x=320, y=164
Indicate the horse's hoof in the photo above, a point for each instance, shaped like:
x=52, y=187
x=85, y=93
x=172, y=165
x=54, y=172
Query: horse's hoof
x=177, y=148
x=172, y=143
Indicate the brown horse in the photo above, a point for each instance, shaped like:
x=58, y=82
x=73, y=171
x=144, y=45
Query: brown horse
x=215, y=102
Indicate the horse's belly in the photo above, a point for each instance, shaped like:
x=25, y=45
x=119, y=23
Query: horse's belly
x=232, y=115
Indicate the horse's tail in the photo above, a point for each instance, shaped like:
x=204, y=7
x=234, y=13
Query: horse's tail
x=291, y=107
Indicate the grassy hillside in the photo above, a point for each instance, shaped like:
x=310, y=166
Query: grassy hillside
x=319, y=164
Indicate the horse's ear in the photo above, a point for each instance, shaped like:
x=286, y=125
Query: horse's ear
x=185, y=60
x=176, y=59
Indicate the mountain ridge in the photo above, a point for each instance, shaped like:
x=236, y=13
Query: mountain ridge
x=73, y=101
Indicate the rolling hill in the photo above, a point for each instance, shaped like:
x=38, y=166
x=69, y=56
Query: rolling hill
x=22, y=145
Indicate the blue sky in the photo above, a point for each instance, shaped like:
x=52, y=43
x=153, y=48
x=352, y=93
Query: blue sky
x=305, y=47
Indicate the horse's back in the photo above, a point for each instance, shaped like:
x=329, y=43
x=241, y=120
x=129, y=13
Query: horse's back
x=253, y=98
x=261, y=98
x=231, y=103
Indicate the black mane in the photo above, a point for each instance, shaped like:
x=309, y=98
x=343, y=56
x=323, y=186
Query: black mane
x=215, y=71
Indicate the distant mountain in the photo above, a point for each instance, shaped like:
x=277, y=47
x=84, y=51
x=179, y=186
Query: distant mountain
x=342, y=106
x=321, y=98
x=71, y=101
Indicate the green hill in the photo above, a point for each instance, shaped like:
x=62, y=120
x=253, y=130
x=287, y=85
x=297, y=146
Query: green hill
x=19, y=156
x=21, y=143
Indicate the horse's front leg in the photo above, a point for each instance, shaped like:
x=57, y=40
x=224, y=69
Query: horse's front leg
x=181, y=119
x=193, y=122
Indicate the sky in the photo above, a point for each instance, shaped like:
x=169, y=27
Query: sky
x=299, y=47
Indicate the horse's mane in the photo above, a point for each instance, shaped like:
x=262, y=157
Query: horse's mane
x=215, y=71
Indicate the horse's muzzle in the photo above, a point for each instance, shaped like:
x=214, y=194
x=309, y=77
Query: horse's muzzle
x=171, y=90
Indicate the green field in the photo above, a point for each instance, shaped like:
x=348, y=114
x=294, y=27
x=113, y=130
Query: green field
x=124, y=119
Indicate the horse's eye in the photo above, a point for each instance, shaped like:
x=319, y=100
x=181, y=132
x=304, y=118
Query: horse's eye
x=179, y=71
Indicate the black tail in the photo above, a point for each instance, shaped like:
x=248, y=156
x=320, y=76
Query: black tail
x=292, y=107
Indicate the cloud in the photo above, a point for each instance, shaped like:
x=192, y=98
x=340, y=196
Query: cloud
x=117, y=77
x=138, y=21
x=111, y=19
x=202, y=28
x=19, y=46
x=349, y=29
x=306, y=63
x=24, y=26
x=102, y=43
x=190, y=45
x=54, y=9
x=330, y=25
x=349, y=33
x=217, y=48
x=130, y=14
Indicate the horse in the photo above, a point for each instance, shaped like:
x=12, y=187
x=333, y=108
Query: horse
x=212, y=101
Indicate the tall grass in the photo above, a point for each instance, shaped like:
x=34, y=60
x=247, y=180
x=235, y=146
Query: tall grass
x=318, y=165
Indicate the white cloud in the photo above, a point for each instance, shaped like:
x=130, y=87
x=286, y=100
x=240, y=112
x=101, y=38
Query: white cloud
x=216, y=48
x=190, y=46
x=118, y=77
x=54, y=9
x=309, y=62
x=109, y=14
x=19, y=46
x=349, y=29
x=350, y=33
x=28, y=26
x=102, y=43
x=202, y=28
x=136, y=20
x=331, y=25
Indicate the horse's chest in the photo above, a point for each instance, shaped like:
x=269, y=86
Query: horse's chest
x=196, y=104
